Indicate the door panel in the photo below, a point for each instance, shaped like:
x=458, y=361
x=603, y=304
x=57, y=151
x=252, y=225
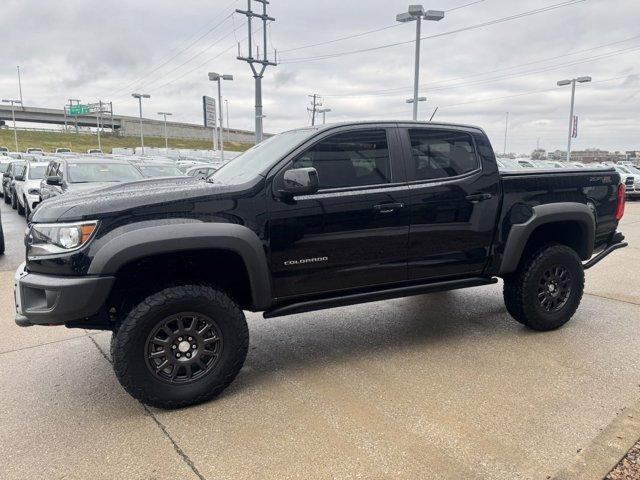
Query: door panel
x=345, y=237
x=453, y=203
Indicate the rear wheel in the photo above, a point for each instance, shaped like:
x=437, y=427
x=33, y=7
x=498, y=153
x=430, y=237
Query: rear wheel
x=1, y=241
x=546, y=290
x=14, y=200
x=7, y=199
x=20, y=208
x=180, y=346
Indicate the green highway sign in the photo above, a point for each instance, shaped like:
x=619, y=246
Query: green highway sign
x=75, y=110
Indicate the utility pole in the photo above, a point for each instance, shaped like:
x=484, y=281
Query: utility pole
x=13, y=116
x=166, y=138
x=506, y=129
x=216, y=77
x=252, y=61
x=315, y=103
x=20, y=86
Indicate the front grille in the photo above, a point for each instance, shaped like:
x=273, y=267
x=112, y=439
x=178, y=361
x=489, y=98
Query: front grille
x=629, y=181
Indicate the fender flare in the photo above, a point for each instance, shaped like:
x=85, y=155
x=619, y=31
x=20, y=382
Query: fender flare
x=180, y=237
x=543, y=214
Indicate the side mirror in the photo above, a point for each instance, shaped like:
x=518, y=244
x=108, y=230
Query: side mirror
x=300, y=181
x=19, y=178
x=54, y=180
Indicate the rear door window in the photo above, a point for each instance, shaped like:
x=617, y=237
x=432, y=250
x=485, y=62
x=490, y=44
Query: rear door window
x=440, y=154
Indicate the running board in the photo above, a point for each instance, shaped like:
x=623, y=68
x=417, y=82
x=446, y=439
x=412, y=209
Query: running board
x=355, y=298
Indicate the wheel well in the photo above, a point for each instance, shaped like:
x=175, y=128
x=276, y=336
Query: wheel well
x=222, y=269
x=570, y=233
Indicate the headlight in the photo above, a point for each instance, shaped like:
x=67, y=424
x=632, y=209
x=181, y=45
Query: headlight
x=55, y=238
x=34, y=191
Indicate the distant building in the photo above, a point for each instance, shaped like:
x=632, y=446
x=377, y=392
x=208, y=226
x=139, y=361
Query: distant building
x=592, y=155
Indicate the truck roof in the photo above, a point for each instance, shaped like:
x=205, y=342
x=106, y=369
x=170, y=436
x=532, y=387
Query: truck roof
x=329, y=126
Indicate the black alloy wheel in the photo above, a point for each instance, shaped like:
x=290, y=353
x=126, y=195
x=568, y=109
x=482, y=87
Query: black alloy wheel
x=183, y=347
x=554, y=288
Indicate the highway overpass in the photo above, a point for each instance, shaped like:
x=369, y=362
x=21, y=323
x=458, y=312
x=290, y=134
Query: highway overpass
x=120, y=124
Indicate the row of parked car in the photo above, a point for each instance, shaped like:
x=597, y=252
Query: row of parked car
x=31, y=177
x=629, y=173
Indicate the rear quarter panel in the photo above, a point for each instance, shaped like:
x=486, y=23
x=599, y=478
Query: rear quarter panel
x=595, y=188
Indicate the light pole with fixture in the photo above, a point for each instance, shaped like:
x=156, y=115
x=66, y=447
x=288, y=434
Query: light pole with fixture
x=417, y=13
x=140, y=96
x=323, y=111
x=166, y=138
x=572, y=82
x=412, y=101
x=13, y=116
x=216, y=77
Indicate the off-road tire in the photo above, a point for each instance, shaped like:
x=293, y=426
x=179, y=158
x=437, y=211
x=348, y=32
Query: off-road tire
x=1, y=242
x=20, y=208
x=130, y=343
x=521, y=289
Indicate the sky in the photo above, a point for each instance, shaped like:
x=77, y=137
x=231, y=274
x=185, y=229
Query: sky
x=106, y=49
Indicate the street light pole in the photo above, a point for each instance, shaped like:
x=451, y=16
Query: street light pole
x=216, y=77
x=226, y=104
x=19, y=84
x=416, y=13
x=13, y=116
x=140, y=96
x=572, y=82
x=323, y=111
x=166, y=138
x=506, y=128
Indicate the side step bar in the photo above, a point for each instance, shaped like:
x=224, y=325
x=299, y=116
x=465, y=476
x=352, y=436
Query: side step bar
x=611, y=248
x=354, y=298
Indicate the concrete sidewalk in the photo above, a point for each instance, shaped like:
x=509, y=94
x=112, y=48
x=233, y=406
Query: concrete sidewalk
x=438, y=386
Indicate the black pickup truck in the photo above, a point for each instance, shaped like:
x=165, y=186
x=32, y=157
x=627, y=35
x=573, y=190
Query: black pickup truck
x=309, y=219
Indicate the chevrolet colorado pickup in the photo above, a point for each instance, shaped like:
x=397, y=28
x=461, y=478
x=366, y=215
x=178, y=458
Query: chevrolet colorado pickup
x=309, y=219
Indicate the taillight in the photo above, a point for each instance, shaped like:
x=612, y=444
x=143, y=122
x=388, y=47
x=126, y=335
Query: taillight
x=622, y=193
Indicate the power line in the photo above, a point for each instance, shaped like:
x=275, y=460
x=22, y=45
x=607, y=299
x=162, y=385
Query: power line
x=503, y=77
x=451, y=32
x=348, y=37
x=463, y=6
x=177, y=54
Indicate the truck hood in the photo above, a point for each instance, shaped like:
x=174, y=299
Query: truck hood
x=135, y=197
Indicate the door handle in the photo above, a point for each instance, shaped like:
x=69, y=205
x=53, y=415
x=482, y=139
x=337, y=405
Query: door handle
x=388, y=207
x=478, y=197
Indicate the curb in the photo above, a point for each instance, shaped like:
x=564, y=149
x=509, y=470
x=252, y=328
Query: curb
x=606, y=450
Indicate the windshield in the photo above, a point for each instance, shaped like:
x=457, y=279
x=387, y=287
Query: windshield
x=622, y=169
x=155, y=171
x=258, y=158
x=102, y=172
x=36, y=172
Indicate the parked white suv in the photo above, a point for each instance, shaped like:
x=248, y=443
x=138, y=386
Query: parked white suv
x=28, y=191
x=631, y=179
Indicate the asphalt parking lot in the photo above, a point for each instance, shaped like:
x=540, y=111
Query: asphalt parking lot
x=437, y=386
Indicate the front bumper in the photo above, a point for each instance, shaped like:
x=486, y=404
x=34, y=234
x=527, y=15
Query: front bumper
x=54, y=300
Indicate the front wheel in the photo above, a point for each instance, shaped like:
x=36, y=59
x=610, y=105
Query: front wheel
x=181, y=346
x=20, y=208
x=546, y=290
x=14, y=200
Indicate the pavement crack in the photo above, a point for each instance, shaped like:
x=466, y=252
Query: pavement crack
x=41, y=344
x=611, y=298
x=181, y=453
